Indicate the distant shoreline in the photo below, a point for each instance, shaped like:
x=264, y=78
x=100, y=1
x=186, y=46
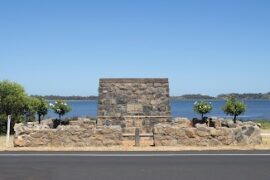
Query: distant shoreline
x=245, y=96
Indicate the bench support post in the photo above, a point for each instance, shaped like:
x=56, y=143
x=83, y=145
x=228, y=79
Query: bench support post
x=137, y=137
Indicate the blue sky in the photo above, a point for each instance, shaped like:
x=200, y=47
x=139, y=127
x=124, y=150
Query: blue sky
x=63, y=47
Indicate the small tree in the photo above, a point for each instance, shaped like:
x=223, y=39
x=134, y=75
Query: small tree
x=60, y=107
x=234, y=108
x=13, y=101
x=29, y=108
x=42, y=108
x=202, y=107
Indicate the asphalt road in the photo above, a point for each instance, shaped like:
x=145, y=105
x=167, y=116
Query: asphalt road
x=253, y=165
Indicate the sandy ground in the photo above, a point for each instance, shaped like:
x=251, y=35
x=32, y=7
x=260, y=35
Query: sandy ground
x=146, y=145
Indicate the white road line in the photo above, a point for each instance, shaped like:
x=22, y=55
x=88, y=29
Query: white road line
x=123, y=155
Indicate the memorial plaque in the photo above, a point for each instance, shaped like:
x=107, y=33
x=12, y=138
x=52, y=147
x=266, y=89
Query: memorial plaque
x=138, y=108
x=134, y=108
x=130, y=108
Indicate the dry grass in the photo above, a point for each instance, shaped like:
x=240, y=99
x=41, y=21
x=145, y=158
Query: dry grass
x=265, y=131
x=128, y=145
x=3, y=142
x=266, y=141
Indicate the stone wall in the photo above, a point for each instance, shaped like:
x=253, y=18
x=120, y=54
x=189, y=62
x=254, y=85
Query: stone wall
x=83, y=135
x=182, y=133
x=133, y=101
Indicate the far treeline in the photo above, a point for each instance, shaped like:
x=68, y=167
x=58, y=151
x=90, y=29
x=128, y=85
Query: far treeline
x=54, y=97
x=224, y=96
x=183, y=97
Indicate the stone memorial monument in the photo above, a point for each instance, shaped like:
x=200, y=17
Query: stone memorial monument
x=135, y=108
x=134, y=103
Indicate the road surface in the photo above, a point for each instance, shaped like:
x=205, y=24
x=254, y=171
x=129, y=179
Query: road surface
x=239, y=165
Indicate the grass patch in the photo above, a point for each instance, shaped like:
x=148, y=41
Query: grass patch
x=265, y=123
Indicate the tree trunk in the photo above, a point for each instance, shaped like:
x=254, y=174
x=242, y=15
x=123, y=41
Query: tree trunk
x=39, y=119
x=234, y=119
x=202, y=116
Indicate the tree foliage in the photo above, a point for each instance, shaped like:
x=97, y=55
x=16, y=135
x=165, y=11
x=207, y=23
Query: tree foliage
x=234, y=107
x=12, y=98
x=202, y=107
x=35, y=106
x=30, y=108
x=12, y=102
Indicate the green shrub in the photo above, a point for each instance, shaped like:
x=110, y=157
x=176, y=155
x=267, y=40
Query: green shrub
x=202, y=107
x=60, y=107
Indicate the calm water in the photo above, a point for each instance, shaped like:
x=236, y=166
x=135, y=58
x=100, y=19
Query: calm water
x=256, y=109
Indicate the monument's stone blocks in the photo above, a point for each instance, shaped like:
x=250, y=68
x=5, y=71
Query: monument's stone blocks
x=136, y=102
